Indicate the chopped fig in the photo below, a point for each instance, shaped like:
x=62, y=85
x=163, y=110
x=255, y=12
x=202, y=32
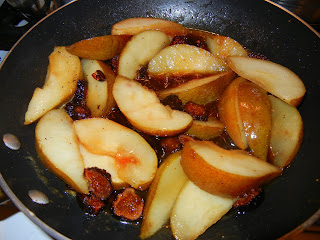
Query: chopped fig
x=128, y=205
x=90, y=203
x=99, y=182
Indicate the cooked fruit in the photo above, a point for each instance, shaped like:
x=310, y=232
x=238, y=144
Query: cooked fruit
x=128, y=205
x=200, y=91
x=224, y=47
x=58, y=148
x=100, y=80
x=144, y=111
x=64, y=71
x=139, y=51
x=132, y=26
x=136, y=161
x=255, y=113
x=161, y=195
x=184, y=59
x=274, y=78
x=230, y=115
x=195, y=211
x=206, y=130
x=286, y=132
x=224, y=172
x=105, y=162
x=99, y=48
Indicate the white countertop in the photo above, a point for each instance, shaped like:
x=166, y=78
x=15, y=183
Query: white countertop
x=20, y=227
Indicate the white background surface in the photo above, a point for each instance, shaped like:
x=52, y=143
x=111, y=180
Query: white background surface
x=19, y=227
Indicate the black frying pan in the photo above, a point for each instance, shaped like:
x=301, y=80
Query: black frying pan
x=262, y=27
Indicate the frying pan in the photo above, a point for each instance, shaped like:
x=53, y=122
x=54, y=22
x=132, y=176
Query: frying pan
x=289, y=201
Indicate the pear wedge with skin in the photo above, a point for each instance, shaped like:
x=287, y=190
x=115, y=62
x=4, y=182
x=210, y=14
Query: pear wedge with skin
x=58, y=148
x=63, y=73
x=99, y=48
x=202, y=90
x=184, y=59
x=224, y=172
x=139, y=51
x=162, y=194
x=100, y=80
x=206, y=130
x=135, y=160
x=144, y=110
x=133, y=26
x=223, y=47
x=195, y=210
x=274, y=78
x=228, y=107
x=255, y=113
x=286, y=132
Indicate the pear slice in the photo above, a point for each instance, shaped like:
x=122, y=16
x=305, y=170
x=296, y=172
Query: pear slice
x=58, y=148
x=224, y=172
x=133, y=26
x=103, y=162
x=139, y=50
x=286, y=132
x=206, y=130
x=184, y=59
x=195, y=210
x=255, y=113
x=144, y=111
x=63, y=72
x=274, y=78
x=230, y=115
x=99, y=48
x=136, y=161
x=100, y=80
x=224, y=47
x=161, y=195
x=200, y=91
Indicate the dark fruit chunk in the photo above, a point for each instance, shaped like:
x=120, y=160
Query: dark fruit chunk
x=99, y=182
x=90, y=203
x=128, y=205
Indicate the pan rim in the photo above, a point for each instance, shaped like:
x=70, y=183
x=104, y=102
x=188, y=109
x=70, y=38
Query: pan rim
x=46, y=228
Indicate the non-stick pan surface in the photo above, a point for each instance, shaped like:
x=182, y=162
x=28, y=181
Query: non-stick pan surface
x=260, y=26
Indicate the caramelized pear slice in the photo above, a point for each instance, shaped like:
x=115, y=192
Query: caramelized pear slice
x=136, y=161
x=63, y=72
x=286, y=132
x=202, y=90
x=224, y=47
x=224, y=172
x=195, y=210
x=206, y=130
x=255, y=113
x=100, y=80
x=274, y=78
x=139, y=51
x=144, y=111
x=105, y=162
x=133, y=26
x=162, y=194
x=99, y=48
x=184, y=59
x=230, y=114
x=58, y=148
